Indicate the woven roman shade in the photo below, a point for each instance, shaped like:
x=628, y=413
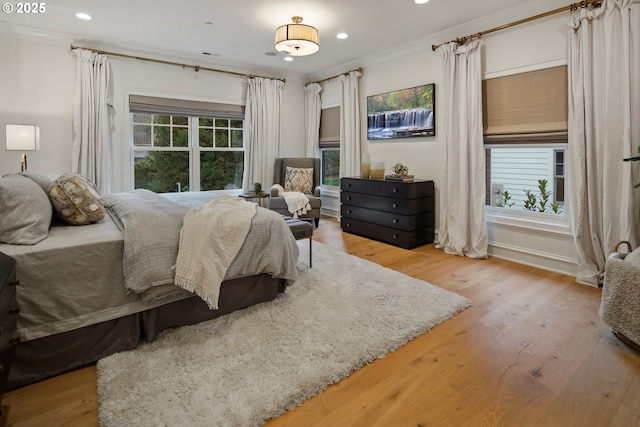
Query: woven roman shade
x=330, y=127
x=182, y=107
x=526, y=107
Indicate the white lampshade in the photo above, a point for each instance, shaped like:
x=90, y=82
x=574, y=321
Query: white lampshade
x=297, y=39
x=23, y=137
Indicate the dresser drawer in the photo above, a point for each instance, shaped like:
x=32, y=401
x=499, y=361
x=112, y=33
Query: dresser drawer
x=396, y=189
x=392, y=220
x=404, y=239
x=387, y=204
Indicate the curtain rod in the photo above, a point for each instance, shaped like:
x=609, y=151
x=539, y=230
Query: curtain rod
x=571, y=7
x=359, y=69
x=196, y=68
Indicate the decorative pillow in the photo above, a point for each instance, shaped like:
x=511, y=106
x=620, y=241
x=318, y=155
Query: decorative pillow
x=298, y=179
x=25, y=211
x=633, y=257
x=76, y=199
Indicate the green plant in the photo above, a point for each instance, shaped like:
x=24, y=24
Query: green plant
x=545, y=195
x=531, y=202
x=257, y=188
x=506, y=200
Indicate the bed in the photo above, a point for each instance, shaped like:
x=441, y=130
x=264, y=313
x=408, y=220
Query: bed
x=75, y=308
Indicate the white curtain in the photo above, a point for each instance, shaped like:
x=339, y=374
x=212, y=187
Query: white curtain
x=92, y=119
x=312, y=110
x=263, y=125
x=604, y=128
x=350, y=125
x=463, y=229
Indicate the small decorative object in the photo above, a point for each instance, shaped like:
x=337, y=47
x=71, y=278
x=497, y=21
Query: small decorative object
x=365, y=166
x=257, y=188
x=400, y=169
x=377, y=170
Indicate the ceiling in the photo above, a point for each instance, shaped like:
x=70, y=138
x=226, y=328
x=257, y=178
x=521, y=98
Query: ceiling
x=240, y=33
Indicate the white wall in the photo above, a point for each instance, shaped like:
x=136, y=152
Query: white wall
x=37, y=81
x=539, y=44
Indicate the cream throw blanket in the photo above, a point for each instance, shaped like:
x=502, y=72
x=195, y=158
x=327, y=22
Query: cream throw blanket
x=210, y=239
x=297, y=202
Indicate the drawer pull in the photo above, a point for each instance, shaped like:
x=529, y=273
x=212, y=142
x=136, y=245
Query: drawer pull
x=394, y=237
x=349, y=211
x=348, y=197
x=395, y=190
x=395, y=221
x=14, y=311
x=16, y=283
x=395, y=205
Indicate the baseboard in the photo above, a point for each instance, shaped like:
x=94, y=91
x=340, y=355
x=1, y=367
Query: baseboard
x=543, y=260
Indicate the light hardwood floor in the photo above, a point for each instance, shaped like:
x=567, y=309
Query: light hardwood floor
x=532, y=351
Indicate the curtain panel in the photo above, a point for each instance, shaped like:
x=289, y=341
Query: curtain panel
x=604, y=107
x=350, y=125
x=312, y=109
x=92, y=119
x=462, y=229
x=263, y=124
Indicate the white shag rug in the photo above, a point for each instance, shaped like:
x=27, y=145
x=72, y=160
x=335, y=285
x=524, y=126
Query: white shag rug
x=254, y=364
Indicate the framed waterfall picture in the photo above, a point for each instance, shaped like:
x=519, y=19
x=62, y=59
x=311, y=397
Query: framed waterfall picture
x=402, y=113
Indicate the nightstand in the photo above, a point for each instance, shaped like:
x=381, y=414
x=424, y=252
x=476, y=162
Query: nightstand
x=8, y=319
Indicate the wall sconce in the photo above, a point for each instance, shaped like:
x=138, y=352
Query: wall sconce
x=23, y=138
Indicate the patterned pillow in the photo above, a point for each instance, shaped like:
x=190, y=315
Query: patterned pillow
x=25, y=211
x=298, y=179
x=76, y=200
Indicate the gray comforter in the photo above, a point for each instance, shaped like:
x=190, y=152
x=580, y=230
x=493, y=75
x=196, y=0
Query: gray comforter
x=151, y=225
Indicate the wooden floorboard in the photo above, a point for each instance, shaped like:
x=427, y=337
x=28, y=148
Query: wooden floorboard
x=531, y=351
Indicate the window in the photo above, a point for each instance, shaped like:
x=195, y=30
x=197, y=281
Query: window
x=186, y=145
x=330, y=146
x=525, y=134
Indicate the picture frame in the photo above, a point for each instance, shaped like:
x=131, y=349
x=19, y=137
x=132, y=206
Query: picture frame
x=404, y=113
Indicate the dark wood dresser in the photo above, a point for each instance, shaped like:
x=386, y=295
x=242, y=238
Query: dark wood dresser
x=395, y=212
x=8, y=318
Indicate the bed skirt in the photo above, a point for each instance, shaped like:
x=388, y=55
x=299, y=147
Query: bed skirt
x=53, y=355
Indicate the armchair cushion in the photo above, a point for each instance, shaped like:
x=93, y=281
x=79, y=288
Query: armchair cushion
x=298, y=179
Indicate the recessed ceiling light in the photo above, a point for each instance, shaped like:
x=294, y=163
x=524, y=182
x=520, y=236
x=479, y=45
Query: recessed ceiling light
x=342, y=35
x=84, y=16
x=421, y=1
x=288, y=58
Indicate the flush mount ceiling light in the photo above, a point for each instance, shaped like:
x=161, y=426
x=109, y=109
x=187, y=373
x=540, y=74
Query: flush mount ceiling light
x=84, y=16
x=297, y=39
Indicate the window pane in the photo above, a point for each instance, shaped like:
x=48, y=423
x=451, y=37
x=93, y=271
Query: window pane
x=222, y=123
x=180, y=137
x=161, y=136
x=206, y=137
x=161, y=171
x=220, y=170
x=162, y=119
x=525, y=178
x=236, y=124
x=206, y=121
x=141, y=118
x=236, y=138
x=222, y=137
x=180, y=120
x=142, y=135
x=330, y=167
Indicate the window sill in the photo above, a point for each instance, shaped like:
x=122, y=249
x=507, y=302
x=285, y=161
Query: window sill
x=554, y=225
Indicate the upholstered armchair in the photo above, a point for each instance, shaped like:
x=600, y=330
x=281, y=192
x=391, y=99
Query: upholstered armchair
x=620, y=304
x=277, y=202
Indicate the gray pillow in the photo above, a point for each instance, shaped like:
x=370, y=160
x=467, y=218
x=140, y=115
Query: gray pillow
x=25, y=211
x=42, y=180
